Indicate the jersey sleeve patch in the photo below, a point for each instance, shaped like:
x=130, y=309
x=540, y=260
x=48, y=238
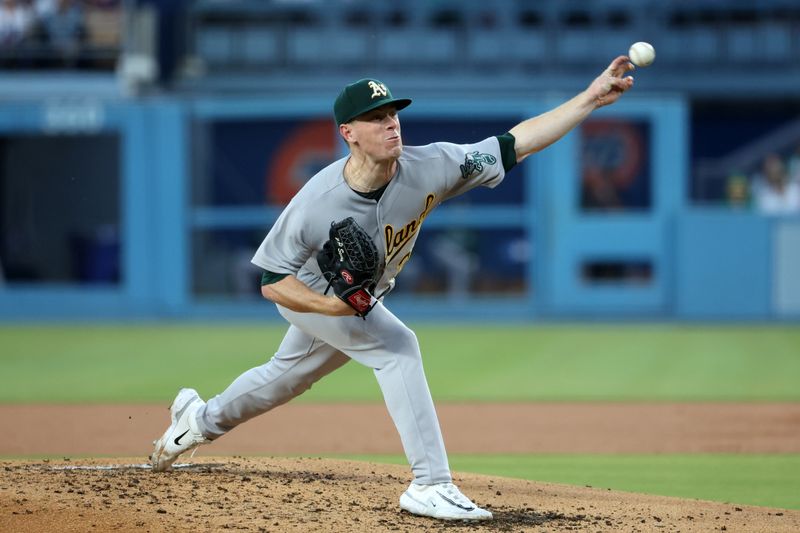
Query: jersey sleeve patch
x=474, y=161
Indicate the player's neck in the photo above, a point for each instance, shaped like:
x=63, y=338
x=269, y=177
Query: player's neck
x=365, y=175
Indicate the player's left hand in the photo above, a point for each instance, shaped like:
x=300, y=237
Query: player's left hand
x=609, y=86
x=350, y=263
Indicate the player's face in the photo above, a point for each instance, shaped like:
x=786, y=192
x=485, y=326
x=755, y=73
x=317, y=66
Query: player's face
x=377, y=133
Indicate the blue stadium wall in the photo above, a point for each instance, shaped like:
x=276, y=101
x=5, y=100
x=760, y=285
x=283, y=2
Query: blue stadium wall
x=180, y=222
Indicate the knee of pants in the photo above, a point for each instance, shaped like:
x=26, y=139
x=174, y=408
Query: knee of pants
x=299, y=387
x=295, y=384
x=405, y=344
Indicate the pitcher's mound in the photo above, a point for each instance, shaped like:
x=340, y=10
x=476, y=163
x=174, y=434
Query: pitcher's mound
x=323, y=495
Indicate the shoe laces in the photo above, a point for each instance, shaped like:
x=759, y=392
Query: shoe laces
x=452, y=491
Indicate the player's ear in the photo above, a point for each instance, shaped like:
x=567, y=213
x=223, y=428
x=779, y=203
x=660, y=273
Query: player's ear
x=346, y=132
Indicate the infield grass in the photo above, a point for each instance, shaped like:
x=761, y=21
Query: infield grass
x=630, y=362
x=147, y=363
x=764, y=480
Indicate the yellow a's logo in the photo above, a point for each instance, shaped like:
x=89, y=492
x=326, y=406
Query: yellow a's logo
x=378, y=89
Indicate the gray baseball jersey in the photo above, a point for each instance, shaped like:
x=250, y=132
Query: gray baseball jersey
x=316, y=345
x=426, y=176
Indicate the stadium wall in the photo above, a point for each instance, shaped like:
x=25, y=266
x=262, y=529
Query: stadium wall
x=191, y=196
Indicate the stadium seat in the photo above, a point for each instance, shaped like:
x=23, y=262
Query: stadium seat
x=215, y=45
x=260, y=46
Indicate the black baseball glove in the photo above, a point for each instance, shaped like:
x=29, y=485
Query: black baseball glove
x=349, y=261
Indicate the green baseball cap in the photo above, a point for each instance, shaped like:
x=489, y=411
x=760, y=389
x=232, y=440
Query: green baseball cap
x=362, y=96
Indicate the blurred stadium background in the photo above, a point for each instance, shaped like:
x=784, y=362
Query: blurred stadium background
x=147, y=146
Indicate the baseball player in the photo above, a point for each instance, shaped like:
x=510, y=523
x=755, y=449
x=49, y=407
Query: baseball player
x=352, y=228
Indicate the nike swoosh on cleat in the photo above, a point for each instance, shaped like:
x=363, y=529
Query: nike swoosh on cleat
x=451, y=502
x=177, y=440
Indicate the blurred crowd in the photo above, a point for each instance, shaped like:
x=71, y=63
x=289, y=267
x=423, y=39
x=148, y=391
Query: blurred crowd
x=38, y=30
x=774, y=188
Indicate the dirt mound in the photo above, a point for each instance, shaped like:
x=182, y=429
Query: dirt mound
x=287, y=495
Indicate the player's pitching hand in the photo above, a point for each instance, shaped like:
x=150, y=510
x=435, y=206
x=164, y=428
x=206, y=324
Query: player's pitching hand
x=609, y=86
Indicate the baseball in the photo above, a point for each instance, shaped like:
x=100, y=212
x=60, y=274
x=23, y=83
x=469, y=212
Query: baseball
x=642, y=54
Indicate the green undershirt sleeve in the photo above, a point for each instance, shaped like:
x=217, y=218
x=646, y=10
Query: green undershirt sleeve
x=507, y=150
x=268, y=278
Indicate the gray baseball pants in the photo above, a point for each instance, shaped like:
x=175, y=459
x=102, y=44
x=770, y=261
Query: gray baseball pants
x=316, y=345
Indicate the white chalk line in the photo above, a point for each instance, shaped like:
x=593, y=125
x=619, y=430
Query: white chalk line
x=142, y=466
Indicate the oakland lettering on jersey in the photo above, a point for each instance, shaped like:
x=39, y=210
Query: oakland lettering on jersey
x=397, y=238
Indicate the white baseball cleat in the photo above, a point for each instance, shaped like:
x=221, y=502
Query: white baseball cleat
x=443, y=501
x=182, y=435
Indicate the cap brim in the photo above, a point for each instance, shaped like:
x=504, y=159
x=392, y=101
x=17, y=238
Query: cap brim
x=399, y=103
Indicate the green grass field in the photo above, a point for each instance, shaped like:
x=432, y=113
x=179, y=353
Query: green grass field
x=471, y=363
x=147, y=363
x=766, y=480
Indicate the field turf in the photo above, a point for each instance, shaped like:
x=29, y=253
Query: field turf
x=565, y=362
x=80, y=364
x=765, y=480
